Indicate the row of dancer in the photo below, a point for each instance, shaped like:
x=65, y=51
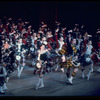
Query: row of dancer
x=65, y=46
x=72, y=52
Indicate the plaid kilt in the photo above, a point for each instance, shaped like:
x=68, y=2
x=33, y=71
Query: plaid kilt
x=67, y=64
x=63, y=50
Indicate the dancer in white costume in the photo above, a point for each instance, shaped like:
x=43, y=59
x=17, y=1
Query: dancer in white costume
x=20, y=54
x=61, y=43
x=86, y=60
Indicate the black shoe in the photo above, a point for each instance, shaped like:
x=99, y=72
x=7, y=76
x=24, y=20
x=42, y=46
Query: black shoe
x=69, y=83
x=2, y=92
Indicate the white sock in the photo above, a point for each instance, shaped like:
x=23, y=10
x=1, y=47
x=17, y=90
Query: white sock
x=20, y=71
x=56, y=67
x=91, y=67
x=41, y=82
x=62, y=70
x=4, y=86
x=71, y=78
x=89, y=75
x=18, y=68
x=1, y=89
x=7, y=79
x=37, y=85
x=83, y=74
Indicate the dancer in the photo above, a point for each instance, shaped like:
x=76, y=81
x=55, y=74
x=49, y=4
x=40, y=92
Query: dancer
x=86, y=59
x=61, y=50
x=98, y=54
x=69, y=61
x=72, y=62
x=3, y=75
x=20, y=54
x=42, y=60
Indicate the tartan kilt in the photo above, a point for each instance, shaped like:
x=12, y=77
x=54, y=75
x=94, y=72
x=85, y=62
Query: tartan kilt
x=63, y=50
x=67, y=64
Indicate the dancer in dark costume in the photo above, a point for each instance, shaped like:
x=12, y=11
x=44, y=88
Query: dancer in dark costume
x=69, y=61
x=42, y=60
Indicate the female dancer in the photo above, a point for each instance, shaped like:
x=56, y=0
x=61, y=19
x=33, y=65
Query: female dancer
x=86, y=59
x=42, y=60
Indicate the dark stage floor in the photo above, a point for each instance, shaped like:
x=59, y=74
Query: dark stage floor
x=55, y=84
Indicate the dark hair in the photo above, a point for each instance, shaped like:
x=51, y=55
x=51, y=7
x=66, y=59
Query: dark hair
x=40, y=44
x=89, y=40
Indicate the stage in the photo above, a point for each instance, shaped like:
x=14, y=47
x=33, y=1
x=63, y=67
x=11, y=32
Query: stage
x=54, y=82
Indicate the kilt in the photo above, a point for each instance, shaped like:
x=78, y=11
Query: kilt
x=63, y=50
x=83, y=60
x=67, y=64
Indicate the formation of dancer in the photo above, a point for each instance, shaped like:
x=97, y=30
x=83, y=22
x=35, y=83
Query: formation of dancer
x=66, y=49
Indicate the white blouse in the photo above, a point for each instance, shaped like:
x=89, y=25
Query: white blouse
x=88, y=49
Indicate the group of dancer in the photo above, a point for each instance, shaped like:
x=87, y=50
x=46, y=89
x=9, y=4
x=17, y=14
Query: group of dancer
x=65, y=49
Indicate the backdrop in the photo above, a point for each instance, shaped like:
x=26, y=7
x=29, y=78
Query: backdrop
x=68, y=13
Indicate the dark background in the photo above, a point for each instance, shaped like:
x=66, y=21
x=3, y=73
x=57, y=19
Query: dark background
x=67, y=12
